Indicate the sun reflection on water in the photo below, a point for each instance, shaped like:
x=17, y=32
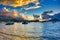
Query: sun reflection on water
x=20, y=31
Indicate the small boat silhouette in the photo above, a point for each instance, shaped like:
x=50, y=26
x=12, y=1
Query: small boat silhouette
x=9, y=23
x=25, y=22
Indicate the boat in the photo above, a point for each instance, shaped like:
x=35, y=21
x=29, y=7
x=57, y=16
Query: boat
x=25, y=22
x=9, y=23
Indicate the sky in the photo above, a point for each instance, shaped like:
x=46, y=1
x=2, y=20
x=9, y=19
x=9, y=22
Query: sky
x=30, y=7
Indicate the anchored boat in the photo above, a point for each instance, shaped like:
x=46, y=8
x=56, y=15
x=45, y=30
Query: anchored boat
x=25, y=22
x=9, y=23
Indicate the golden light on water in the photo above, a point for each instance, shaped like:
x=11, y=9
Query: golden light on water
x=20, y=31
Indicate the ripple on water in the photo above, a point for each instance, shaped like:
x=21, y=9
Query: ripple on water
x=45, y=31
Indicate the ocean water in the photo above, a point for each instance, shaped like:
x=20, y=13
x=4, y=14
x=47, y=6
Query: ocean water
x=30, y=31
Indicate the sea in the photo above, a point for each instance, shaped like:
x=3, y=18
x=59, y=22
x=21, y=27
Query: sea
x=31, y=31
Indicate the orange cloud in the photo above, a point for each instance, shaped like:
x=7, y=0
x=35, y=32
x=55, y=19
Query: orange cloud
x=25, y=17
x=17, y=2
x=14, y=13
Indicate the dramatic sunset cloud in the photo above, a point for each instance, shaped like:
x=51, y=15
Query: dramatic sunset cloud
x=25, y=17
x=7, y=12
x=14, y=14
x=17, y=2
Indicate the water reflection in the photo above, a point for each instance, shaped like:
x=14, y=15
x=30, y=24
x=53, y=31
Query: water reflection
x=31, y=31
x=20, y=31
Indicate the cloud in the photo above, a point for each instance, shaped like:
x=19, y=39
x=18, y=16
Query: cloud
x=51, y=14
x=25, y=17
x=7, y=12
x=5, y=9
x=4, y=12
x=14, y=14
x=34, y=7
x=17, y=2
